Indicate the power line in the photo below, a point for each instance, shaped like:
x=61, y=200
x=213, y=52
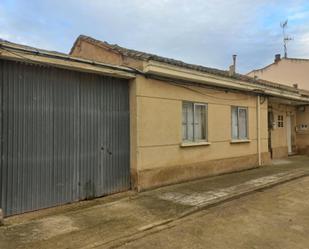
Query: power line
x=205, y=94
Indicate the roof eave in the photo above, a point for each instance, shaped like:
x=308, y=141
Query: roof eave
x=178, y=73
x=18, y=52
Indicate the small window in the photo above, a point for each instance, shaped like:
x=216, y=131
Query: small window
x=194, y=123
x=239, y=123
x=280, y=121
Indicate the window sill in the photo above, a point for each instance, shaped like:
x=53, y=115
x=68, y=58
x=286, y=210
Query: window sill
x=193, y=144
x=240, y=141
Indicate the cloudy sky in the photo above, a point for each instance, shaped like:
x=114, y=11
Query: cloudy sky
x=205, y=32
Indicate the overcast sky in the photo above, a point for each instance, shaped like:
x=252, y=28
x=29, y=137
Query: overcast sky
x=205, y=32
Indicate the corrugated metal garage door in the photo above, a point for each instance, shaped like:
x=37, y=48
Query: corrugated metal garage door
x=64, y=136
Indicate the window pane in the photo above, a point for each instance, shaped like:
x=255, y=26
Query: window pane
x=187, y=121
x=184, y=122
x=190, y=122
x=200, y=122
x=242, y=122
x=234, y=123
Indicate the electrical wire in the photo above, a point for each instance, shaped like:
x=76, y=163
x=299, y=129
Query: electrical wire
x=22, y=57
x=205, y=94
x=68, y=58
x=183, y=85
x=175, y=84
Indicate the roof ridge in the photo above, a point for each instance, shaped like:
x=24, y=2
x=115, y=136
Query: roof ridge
x=301, y=59
x=288, y=58
x=140, y=54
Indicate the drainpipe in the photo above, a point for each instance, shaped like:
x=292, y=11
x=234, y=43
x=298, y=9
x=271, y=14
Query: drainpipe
x=1, y=217
x=258, y=111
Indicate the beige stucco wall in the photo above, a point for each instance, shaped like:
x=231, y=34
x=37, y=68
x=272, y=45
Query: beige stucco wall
x=159, y=130
x=87, y=50
x=286, y=71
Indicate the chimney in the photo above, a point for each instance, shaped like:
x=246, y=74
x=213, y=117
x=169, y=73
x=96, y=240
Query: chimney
x=233, y=67
x=277, y=58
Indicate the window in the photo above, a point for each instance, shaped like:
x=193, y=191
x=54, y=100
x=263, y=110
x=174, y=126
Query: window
x=194, y=117
x=239, y=123
x=280, y=121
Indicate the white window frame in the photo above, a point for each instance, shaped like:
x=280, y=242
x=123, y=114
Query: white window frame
x=195, y=104
x=280, y=121
x=247, y=122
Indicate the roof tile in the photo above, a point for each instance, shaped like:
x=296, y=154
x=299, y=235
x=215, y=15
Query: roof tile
x=148, y=56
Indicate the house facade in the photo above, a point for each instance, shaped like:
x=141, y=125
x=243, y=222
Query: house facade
x=247, y=121
x=292, y=72
x=105, y=119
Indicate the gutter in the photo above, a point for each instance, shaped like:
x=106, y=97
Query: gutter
x=168, y=71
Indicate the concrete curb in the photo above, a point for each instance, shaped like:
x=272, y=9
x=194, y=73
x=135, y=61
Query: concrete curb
x=239, y=194
x=165, y=224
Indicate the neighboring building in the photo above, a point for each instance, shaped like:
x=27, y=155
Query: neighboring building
x=287, y=71
x=295, y=73
x=106, y=119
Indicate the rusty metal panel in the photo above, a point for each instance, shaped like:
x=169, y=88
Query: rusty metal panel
x=104, y=136
x=64, y=136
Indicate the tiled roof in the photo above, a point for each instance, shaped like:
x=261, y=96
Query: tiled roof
x=148, y=56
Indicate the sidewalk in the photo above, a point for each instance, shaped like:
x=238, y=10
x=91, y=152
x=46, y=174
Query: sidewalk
x=111, y=221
